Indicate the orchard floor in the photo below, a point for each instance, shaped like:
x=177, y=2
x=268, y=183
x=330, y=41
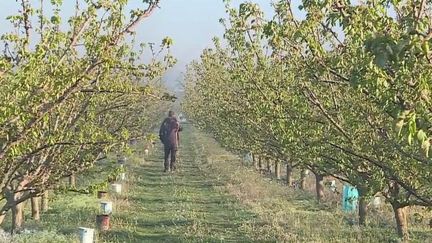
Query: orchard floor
x=212, y=197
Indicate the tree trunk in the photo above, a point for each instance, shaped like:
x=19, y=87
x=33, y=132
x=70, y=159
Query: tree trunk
x=289, y=171
x=35, y=208
x=2, y=217
x=399, y=212
x=260, y=163
x=362, y=211
x=303, y=180
x=17, y=217
x=401, y=221
x=277, y=170
x=255, y=162
x=45, y=201
x=23, y=207
x=72, y=180
x=319, y=186
x=269, y=166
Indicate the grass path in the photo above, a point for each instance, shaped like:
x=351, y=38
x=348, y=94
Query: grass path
x=180, y=206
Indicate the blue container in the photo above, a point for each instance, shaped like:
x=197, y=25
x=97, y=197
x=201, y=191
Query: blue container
x=350, y=197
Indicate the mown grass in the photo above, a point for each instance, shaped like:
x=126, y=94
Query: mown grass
x=287, y=215
x=211, y=198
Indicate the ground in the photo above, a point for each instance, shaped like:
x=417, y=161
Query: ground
x=212, y=197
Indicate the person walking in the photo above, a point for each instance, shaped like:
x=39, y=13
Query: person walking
x=169, y=136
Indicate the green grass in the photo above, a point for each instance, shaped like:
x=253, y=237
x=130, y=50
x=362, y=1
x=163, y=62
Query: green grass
x=180, y=206
x=211, y=198
x=294, y=216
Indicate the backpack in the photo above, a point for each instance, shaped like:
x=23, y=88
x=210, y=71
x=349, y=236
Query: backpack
x=164, y=130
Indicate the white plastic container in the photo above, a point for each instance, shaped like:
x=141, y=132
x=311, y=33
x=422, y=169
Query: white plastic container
x=146, y=151
x=333, y=186
x=106, y=207
x=86, y=235
x=376, y=202
x=117, y=188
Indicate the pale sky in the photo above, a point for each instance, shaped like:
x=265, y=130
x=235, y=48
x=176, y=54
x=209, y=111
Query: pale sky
x=192, y=24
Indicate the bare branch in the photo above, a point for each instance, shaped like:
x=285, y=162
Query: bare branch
x=26, y=19
x=146, y=13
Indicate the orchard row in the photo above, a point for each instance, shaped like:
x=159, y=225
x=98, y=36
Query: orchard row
x=72, y=91
x=338, y=88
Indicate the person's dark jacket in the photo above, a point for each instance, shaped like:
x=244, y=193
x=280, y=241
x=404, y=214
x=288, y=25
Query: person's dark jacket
x=168, y=132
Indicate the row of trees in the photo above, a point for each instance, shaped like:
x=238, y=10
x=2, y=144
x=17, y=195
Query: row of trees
x=73, y=88
x=345, y=92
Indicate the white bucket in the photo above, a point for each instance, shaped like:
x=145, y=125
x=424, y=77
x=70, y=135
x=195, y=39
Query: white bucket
x=376, y=202
x=146, y=151
x=106, y=207
x=116, y=188
x=333, y=186
x=86, y=235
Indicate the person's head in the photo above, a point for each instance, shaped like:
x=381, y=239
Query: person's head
x=171, y=114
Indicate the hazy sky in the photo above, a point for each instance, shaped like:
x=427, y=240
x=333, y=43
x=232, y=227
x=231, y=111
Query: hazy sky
x=190, y=23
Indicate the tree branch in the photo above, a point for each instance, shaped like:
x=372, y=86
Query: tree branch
x=134, y=23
